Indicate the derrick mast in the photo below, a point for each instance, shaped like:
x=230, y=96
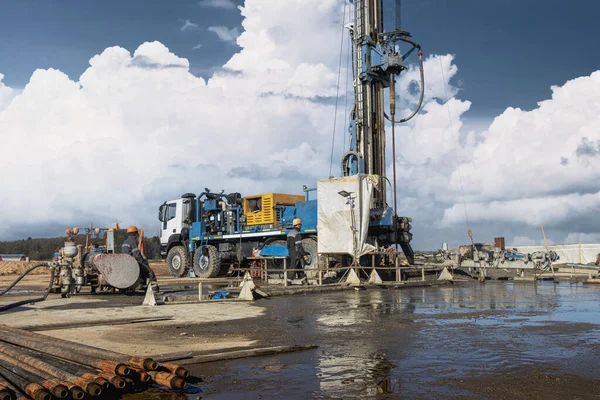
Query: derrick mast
x=377, y=60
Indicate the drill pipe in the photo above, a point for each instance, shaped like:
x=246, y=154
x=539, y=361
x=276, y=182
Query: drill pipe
x=5, y=393
x=129, y=383
x=72, y=366
x=167, y=379
x=64, y=352
x=35, y=376
x=104, y=378
x=9, y=387
x=88, y=351
x=91, y=388
x=116, y=381
x=141, y=374
x=33, y=390
x=77, y=392
x=97, y=379
x=174, y=369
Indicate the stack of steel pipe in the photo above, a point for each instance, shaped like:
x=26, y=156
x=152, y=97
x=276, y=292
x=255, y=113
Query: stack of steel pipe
x=42, y=367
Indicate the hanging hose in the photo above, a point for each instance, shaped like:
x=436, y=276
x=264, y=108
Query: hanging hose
x=421, y=96
x=22, y=302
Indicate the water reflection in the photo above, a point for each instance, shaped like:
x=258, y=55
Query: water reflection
x=394, y=343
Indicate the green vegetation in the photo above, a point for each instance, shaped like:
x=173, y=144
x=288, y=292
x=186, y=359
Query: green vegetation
x=44, y=249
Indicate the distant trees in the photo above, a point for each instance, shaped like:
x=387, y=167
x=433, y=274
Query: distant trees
x=44, y=249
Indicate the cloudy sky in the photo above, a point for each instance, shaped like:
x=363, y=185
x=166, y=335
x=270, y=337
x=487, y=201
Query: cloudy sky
x=109, y=108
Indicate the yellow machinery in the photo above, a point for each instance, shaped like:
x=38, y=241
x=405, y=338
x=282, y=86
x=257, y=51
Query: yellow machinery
x=261, y=209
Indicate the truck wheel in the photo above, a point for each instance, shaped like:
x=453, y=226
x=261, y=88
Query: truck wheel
x=177, y=261
x=310, y=246
x=207, y=263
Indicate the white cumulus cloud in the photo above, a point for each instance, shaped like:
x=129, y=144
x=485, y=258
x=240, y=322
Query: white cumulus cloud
x=138, y=128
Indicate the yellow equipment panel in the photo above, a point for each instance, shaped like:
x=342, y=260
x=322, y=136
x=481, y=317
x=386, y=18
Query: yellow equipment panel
x=266, y=213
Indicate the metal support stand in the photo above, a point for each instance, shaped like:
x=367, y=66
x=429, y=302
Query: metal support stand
x=149, y=299
x=352, y=277
x=374, y=278
x=247, y=288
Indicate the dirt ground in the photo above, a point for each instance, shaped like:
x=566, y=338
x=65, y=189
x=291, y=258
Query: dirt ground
x=138, y=338
x=498, y=340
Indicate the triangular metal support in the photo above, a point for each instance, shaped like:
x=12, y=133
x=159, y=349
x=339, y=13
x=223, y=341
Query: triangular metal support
x=149, y=299
x=352, y=277
x=247, y=286
x=445, y=275
x=247, y=277
x=374, y=278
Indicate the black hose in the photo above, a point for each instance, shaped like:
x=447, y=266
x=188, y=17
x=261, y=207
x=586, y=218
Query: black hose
x=421, y=96
x=22, y=276
x=23, y=302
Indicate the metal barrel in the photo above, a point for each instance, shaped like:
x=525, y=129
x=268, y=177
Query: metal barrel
x=60, y=350
x=167, y=379
x=35, y=376
x=91, y=388
x=33, y=390
x=89, y=351
x=174, y=369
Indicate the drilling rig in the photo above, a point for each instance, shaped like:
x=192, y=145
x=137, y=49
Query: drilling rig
x=206, y=233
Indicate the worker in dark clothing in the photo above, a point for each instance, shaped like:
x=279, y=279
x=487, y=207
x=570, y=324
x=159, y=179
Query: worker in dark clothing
x=130, y=246
x=298, y=256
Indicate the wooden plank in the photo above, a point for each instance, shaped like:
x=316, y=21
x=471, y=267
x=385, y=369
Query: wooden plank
x=172, y=356
x=231, y=355
x=68, y=325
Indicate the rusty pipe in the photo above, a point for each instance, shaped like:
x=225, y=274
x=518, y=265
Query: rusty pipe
x=35, y=376
x=98, y=379
x=142, y=375
x=5, y=393
x=77, y=392
x=56, y=388
x=114, y=379
x=167, y=379
x=129, y=383
x=91, y=388
x=75, y=368
x=9, y=387
x=175, y=369
x=88, y=351
x=33, y=390
x=53, y=349
x=72, y=368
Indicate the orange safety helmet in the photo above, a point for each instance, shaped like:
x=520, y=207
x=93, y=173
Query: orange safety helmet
x=132, y=229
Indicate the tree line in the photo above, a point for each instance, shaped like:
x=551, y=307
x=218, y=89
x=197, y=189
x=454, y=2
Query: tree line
x=43, y=249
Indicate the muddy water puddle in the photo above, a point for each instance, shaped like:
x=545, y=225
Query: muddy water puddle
x=469, y=341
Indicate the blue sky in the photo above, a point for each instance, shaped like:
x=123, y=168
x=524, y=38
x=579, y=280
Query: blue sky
x=509, y=52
